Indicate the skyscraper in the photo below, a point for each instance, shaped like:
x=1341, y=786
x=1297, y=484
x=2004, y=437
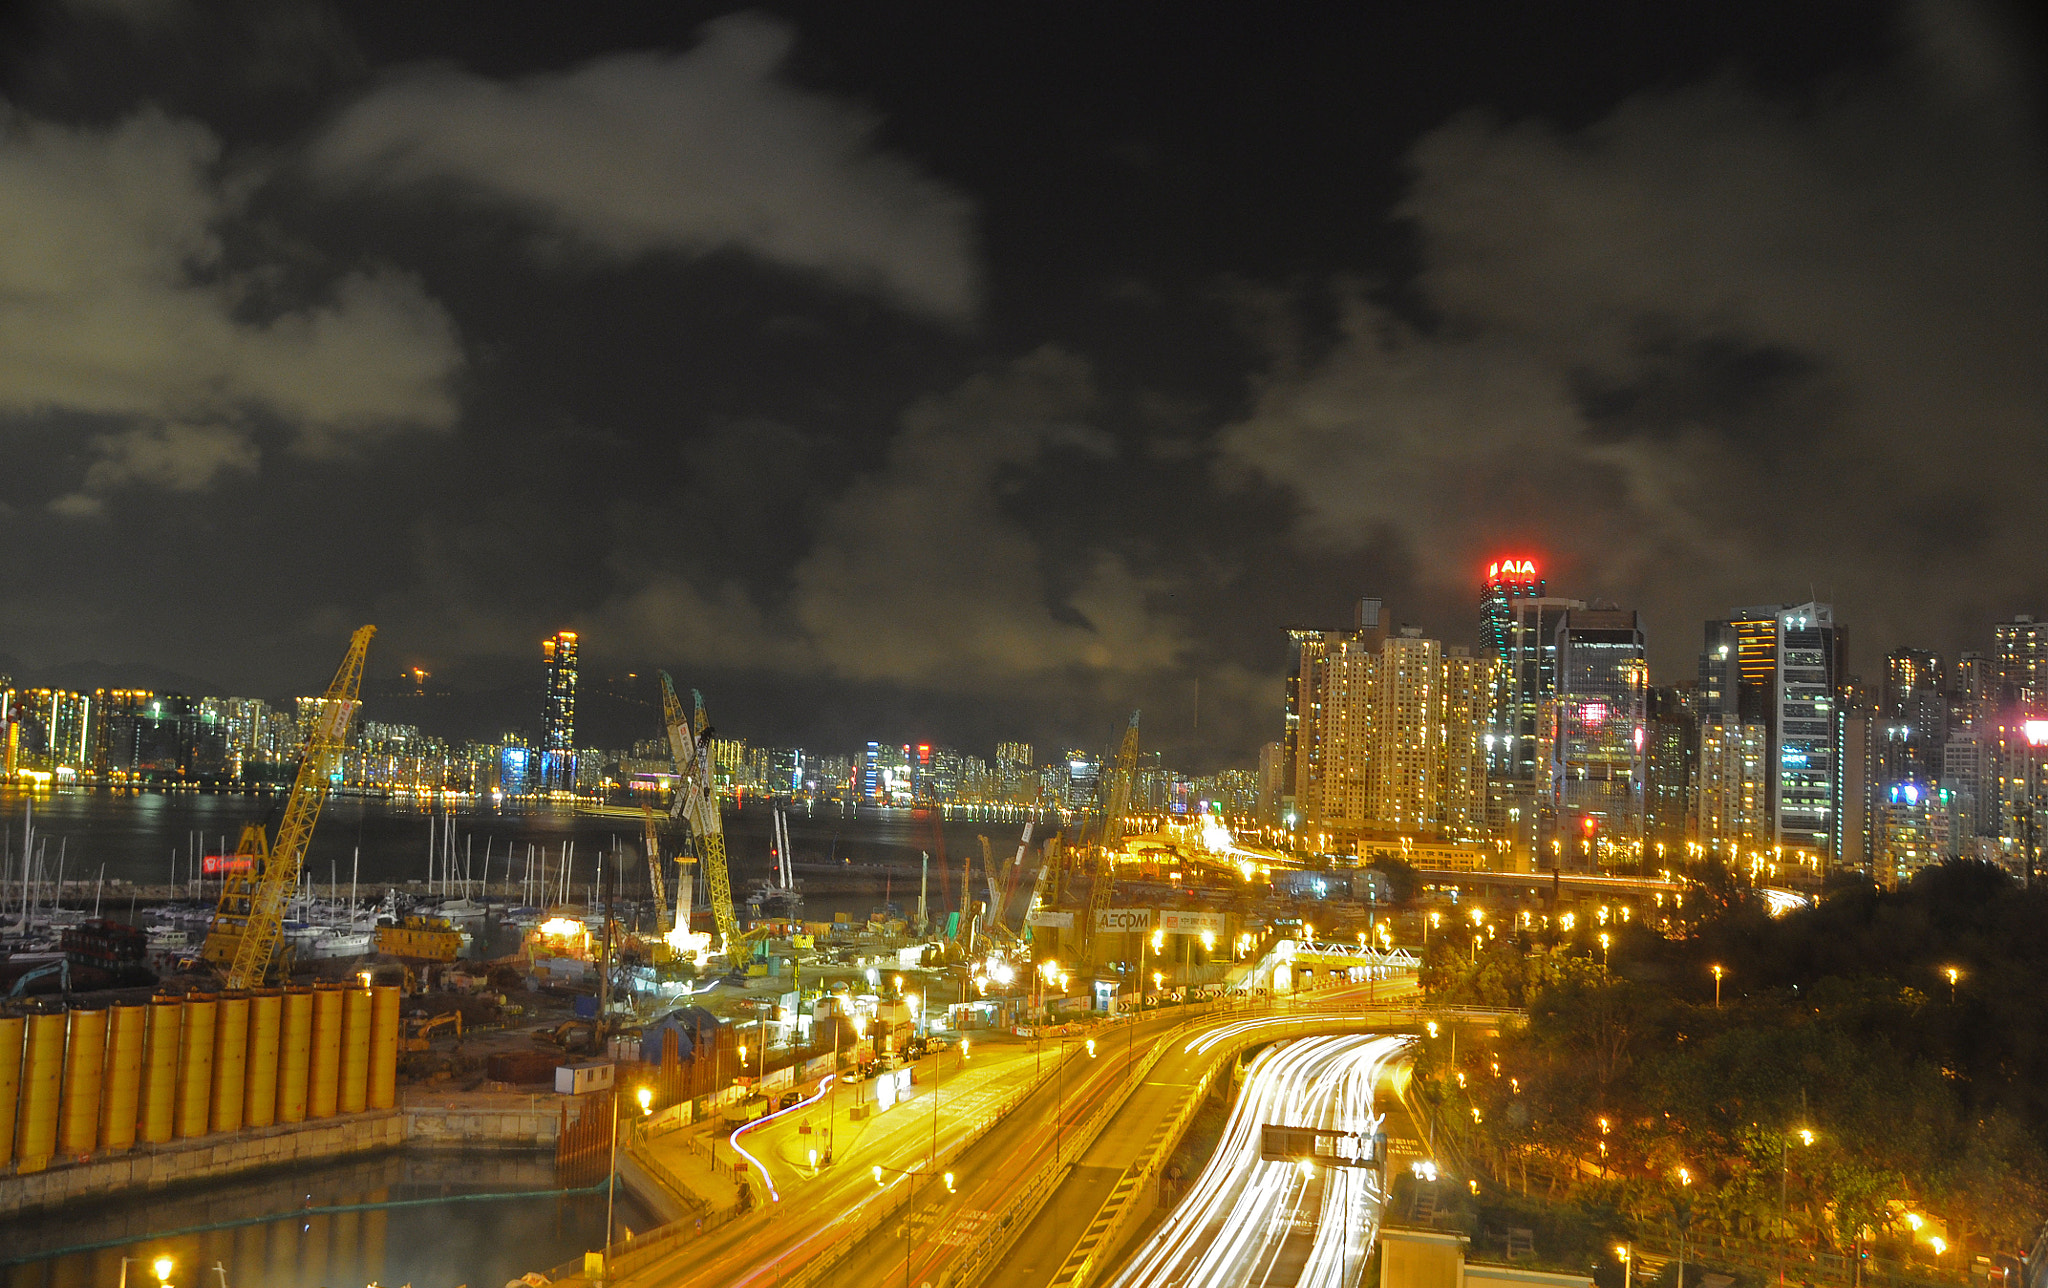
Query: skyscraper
x=1524, y=678
x=1402, y=723
x=558, y=714
x=2020, y=649
x=1788, y=677
x=1916, y=706
x=1595, y=772
x=1301, y=761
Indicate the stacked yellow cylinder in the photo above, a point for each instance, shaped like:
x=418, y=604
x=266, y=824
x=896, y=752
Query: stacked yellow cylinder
x=85, y=1063
x=355, y=1051
x=230, y=1062
x=294, y=1056
x=42, y=1076
x=383, y=1047
x=324, y=1083
x=195, y=1065
x=12, y=1027
x=259, y=1089
x=122, y=1089
x=160, y=1070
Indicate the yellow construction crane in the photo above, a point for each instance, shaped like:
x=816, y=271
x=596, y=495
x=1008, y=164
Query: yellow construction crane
x=696, y=801
x=250, y=918
x=1115, y=795
x=655, y=885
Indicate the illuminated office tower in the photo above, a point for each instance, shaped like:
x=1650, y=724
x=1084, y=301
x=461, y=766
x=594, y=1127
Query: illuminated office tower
x=1788, y=677
x=1506, y=581
x=558, y=718
x=1524, y=680
x=1598, y=730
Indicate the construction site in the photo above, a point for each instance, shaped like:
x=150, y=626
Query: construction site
x=514, y=1016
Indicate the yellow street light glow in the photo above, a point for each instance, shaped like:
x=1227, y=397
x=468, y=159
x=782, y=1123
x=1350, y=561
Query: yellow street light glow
x=162, y=1267
x=1091, y=1048
x=1308, y=1168
x=1805, y=1136
x=646, y=1096
x=878, y=1173
x=949, y=1182
x=1940, y=1244
x=814, y=1160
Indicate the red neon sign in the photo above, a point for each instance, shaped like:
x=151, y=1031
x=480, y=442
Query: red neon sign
x=1501, y=569
x=215, y=864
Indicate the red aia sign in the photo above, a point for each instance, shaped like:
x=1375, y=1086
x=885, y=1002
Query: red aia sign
x=1500, y=568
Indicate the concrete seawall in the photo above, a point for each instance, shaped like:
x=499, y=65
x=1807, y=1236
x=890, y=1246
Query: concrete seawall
x=512, y=1124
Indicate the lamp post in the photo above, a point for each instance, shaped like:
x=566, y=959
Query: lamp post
x=1952, y=974
x=1717, y=985
x=1785, y=1170
x=1628, y=1265
x=1682, y=1209
x=611, y=1185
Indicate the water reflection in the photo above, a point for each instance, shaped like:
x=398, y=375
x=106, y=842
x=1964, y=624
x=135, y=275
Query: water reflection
x=255, y=1232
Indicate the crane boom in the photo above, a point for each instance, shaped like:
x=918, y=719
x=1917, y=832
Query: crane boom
x=696, y=802
x=655, y=885
x=250, y=917
x=1116, y=803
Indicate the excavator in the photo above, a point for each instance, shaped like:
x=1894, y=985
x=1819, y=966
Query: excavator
x=248, y=923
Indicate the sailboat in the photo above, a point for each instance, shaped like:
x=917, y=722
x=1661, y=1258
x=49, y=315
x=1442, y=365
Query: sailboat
x=783, y=896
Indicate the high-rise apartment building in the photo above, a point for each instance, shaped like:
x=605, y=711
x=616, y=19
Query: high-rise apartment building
x=1916, y=706
x=558, y=715
x=2020, y=650
x=1013, y=770
x=1732, y=796
x=1272, y=781
x=1302, y=752
x=1401, y=737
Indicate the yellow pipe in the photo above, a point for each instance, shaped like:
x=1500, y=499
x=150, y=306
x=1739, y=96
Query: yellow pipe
x=294, y=1056
x=42, y=1076
x=160, y=1069
x=383, y=1047
x=123, y=1086
x=324, y=1084
x=259, y=1085
x=12, y=1029
x=355, y=1051
x=230, y=1062
x=85, y=1065
x=195, y=1065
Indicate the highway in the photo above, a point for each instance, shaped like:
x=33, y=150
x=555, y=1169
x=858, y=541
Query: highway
x=1248, y=1222
x=817, y=1207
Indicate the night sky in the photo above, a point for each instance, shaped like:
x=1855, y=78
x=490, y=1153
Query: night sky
x=961, y=372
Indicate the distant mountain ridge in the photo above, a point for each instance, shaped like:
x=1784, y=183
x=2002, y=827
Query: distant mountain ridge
x=87, y=676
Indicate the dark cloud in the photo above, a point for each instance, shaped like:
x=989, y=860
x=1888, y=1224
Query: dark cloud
x=642, y=152
x=962, y=374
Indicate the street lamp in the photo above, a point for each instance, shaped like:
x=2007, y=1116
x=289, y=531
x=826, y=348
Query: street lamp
x=1952, y=974
x=1805, y=1135
x=1628, y=1268
x=160, y=1266
x=1603, y=950
x=1717, y=985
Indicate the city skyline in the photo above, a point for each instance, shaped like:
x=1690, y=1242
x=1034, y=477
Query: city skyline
x=994, y=394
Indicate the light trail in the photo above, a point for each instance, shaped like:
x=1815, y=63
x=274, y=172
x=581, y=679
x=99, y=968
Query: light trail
x=734, y=1140
x=1243, y=1216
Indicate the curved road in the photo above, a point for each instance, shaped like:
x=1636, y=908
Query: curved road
x=1247, y=1223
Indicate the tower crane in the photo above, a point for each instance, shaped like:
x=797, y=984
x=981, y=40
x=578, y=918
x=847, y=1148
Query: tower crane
x=1115, y=796
x=655, y=885
x=250, y=917
x=696, y=802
